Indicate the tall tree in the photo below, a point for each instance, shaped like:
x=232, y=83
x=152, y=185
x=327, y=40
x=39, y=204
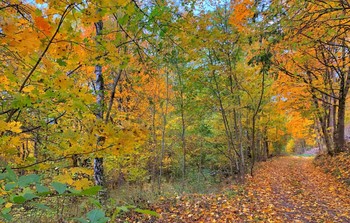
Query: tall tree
x=314, y=51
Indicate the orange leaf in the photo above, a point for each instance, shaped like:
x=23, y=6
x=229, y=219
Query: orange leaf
x=43, y=25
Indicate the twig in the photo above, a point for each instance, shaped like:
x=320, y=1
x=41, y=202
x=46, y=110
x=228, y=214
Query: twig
x=57, y=159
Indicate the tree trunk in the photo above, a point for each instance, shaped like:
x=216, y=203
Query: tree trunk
x=241, y=149
x=98, y=172
x=253, y=146
x=99, y=85
x=343, y=91
x=154, y=147
x=253, y=152
x=183, y=130
x=183, y=139
x=165, y=113
x=266, y=147
x=339, y=140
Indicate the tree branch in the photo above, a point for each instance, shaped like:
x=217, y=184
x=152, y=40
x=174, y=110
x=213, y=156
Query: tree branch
x=66, y=11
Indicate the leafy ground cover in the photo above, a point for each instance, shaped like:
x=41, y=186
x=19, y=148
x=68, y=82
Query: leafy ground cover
x=285, y=189
x=338, y=166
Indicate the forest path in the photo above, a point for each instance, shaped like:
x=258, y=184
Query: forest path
x=285, y=189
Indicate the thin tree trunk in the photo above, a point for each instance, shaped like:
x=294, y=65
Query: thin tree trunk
x=228, y=131
x=241, y=149
x=183, y=139
x=111, y=100
x=99, y=85
x=252, y=147
x=321, y=119
x=254, y=123
x=231, y=150
x=163, y=133
x=266, y=142
x=183, y=131
x=154, y=146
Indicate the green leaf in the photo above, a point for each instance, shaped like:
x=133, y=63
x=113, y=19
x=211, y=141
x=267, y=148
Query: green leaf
x=59, y=187
x=26, y=180
x=5, y=210
x=123, y=20
x=103, y=220
x=155, y=12
x=29, y=196
x=7, y=217
x=3, y=176
x=38, y=12
x=115, y=213
x=43, y=194
x=91, y=191
x=123, y=208
x=11, y=175
x=2, y=200
x=95, y=215
x=74, y=191
x=10, y=186
x=95, y=202
x=21, y=101
x=149, y=212
x=41, y=206
x=61, y=62
x=42, y=189
x=120, y=209
x=19, y=199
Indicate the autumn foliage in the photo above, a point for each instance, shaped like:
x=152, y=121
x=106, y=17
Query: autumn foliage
x=171, y=97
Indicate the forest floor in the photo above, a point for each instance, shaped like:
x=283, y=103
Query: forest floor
x=284, y=189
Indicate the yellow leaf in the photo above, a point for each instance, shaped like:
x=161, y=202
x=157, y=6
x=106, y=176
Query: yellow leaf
x=14, y=127
x=4, y=80
x=122, y=2
x=65, y=178
x=82, y=184
x=28, y=89
x=130, y=9
x=83, y=170
x=8, y=205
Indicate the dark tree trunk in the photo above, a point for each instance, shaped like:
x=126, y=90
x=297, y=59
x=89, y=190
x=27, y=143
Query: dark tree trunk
x=75, y=159
x=339, y=140
x=343, y=92
x=266, y=145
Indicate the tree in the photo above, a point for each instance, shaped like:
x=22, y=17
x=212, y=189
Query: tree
x=314, y=51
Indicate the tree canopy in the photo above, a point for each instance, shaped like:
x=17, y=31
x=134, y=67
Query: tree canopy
x=105, y=92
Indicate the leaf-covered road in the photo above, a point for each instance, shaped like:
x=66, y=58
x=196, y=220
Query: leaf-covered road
x=286, y=189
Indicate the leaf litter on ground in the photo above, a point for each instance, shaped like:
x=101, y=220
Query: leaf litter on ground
x=284, y=189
